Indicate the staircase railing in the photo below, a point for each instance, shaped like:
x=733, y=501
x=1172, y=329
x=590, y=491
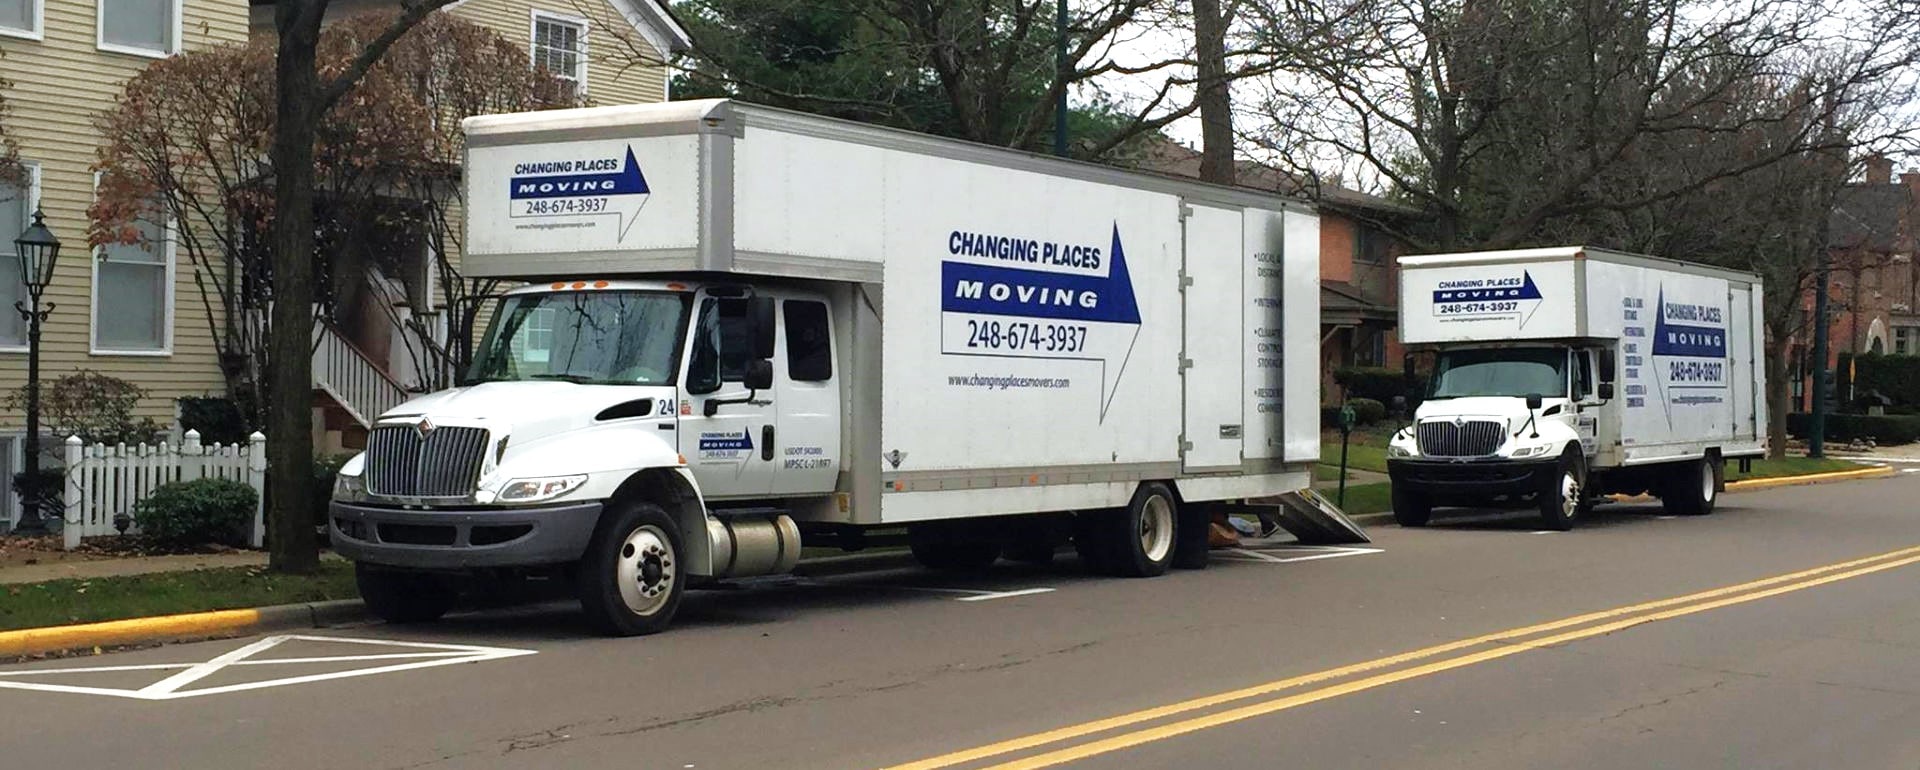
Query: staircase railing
x=350, y=376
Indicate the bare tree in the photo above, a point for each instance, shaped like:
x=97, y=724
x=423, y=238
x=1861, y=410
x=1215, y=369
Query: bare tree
x=1502, y=120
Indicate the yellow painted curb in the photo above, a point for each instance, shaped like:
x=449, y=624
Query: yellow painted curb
x=32, y=641
x=1811, y=478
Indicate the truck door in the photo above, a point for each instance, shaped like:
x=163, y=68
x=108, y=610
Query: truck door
x=1740, y=374
x=730, y=451
x=806, y=393
x=1213, y=334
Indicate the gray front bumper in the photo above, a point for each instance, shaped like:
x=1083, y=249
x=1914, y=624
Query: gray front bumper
x=462, y=538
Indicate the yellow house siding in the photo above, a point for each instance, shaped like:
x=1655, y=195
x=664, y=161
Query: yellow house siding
x=58, y=85
x=609, y=78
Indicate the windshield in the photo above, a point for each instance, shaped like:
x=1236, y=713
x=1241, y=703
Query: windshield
x=1500, y=372
x=599, y=337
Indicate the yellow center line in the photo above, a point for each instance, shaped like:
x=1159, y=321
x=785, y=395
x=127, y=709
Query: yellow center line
x=1126, y=740
x=1124, y=720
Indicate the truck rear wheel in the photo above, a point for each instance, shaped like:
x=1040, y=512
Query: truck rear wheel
x=1565, y=493
x=630, y=580
x=1410, y=509
x=1692, y=488
x=1190, y=547
x=398, y=596
x=1144, y=536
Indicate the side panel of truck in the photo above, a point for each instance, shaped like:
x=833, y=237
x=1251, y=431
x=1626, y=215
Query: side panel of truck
x=1678, y=377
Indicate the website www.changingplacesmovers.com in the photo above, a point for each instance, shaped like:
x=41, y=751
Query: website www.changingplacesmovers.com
x=1003, y=383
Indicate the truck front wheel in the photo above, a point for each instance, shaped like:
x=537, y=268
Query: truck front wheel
x=398, y=596
x=631, y=579
x=1410, y=509
x=1565, y=493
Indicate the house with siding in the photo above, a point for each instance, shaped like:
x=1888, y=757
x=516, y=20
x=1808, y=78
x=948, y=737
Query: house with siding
x=134, y=311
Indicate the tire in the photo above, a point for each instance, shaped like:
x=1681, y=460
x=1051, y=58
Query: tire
x=1410, y=509
x=630, y=581
x=398, y=596
x=1692, y=488
x=1143, y=540
x=1563, y=496
x=1190, y=548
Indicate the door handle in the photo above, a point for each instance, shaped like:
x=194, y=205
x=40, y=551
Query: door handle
x=766, y=443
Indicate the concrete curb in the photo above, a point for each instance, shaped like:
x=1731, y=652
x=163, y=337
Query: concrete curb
x=172, y=628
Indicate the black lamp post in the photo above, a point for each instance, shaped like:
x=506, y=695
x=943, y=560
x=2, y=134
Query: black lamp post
x=38, y=249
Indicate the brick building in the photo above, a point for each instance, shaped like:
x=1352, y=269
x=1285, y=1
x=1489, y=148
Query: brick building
x=1873, y=290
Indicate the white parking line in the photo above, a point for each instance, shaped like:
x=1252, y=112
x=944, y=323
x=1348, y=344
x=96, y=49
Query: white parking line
x=173, y=687
x=1005, y=594
x=1310, y=553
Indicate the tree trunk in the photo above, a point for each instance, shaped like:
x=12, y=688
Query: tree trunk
x=290, y=399
x=1779, y=392
x=1215, y=97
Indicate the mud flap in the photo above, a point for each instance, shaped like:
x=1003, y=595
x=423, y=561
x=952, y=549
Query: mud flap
x=1315, y=520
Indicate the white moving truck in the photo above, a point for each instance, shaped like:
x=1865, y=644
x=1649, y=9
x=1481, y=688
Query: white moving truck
x=748, y=328
x=1563, y=374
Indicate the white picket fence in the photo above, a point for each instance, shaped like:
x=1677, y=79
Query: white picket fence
x=104, y=481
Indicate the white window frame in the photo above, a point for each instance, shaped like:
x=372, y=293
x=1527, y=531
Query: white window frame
x=100, y=33
x=169, y=280
x=33, y=203
x=534, y=18
x=38, y=18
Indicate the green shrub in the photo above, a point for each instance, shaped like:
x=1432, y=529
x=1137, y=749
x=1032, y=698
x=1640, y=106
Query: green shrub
x=1896, y=377
x=1887, y=429
x=324, y=470
x=195, y=512
x=93, y=406
x=218, y=420
x=51, y=490
x=1367, y=411
x=1381, y=385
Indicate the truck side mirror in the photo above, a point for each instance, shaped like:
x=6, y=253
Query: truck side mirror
x=1533, y=401
x=760, y=323
x=1606, y=360
x=759, y=374
x=1606, y=391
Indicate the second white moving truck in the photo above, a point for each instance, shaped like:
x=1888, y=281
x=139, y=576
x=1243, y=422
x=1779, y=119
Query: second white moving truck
x=1563, y=374
x=749, y=328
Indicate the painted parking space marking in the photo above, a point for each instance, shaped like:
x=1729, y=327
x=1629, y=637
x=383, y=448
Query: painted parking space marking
x=960, y=594
x=178, y=685
x=1288, y=554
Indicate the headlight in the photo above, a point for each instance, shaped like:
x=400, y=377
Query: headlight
x=1530, y=451
x=1395, y=451
x=349, y=489
x=537, y=489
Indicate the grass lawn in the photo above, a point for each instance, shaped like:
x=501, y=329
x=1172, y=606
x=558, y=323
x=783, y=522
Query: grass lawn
x=1366, y=451
x=1790, y=466
x=63, y=602
x=1363, y=498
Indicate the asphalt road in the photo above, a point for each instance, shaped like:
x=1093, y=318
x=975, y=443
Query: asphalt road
x=1446, y=648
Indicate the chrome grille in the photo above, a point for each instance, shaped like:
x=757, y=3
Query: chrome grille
x=1469, y=438
x=445, y=462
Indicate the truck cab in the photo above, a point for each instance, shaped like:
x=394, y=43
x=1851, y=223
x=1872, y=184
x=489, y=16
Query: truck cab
x=1505, y=422
x=662, y=396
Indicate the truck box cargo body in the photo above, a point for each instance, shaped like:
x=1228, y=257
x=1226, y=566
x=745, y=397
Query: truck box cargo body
x=1648, y=373
x=820, y=326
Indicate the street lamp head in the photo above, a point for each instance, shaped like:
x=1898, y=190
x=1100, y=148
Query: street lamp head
x=38, y=249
